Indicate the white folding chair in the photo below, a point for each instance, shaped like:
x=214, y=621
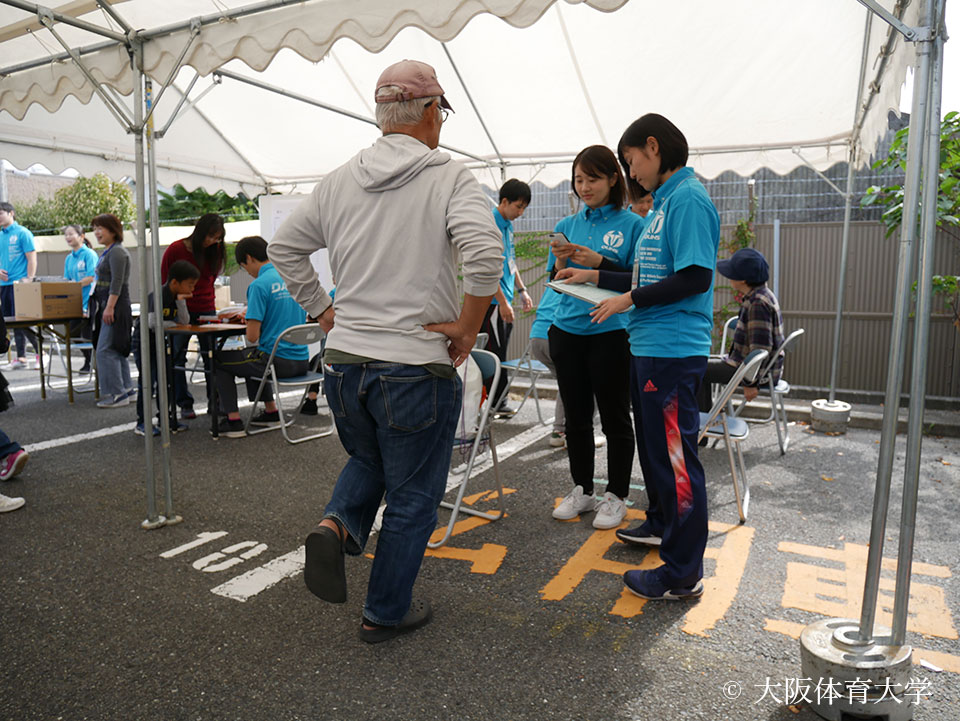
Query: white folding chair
x=719, y=423
x=304, y=335
x=489, y=366
x=778, y=411
x=533, y=368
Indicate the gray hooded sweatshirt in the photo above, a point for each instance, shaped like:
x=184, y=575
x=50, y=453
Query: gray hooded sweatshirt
x=393, y=219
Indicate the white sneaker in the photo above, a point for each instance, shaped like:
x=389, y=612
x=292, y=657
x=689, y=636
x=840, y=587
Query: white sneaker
x=10, y=504
x=574, y=504
x=558, y=439
x=610, y=511
x=599, y=441
x=35, y=363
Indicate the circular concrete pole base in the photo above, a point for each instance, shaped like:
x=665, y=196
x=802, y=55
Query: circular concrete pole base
x=847, y=678
x=828, y=417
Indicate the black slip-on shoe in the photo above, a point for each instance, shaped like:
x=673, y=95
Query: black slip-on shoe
x=419, y=615
x=323, y=570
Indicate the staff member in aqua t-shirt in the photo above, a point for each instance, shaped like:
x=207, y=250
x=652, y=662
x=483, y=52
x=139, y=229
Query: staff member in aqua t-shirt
x=18, y=260
x=671, y=293
x=498, y=320
x=81, y=265
x=592, y=361
x=270, y=311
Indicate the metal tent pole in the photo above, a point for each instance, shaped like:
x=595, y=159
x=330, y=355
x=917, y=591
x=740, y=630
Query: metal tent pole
x=898, y=343
x=153, y=520
x=921, y=341
x=159, y=344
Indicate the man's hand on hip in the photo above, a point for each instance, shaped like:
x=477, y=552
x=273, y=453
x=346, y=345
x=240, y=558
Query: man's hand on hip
x=461, y=341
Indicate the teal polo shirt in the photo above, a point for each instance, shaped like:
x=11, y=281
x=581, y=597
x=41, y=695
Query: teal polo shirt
x=79, y=264
x=509, y=276
x=612, y=232
x=269, y=302
x=15, y=242
x=684, y=231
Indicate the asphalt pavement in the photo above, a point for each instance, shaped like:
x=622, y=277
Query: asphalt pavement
x=209, y=618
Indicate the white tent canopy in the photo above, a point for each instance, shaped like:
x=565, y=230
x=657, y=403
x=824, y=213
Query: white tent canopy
x=752, y=83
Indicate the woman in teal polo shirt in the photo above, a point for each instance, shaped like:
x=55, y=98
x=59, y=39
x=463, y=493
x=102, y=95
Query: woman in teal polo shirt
x=81, y=265
x=671, y=294
x=593, y=362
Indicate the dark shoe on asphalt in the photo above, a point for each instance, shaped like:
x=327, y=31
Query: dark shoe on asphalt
x=641, y=535
x=188, y=414
x=229, y=428
x=419, y=615
x=266, y=418
x=648, y=584
x=323, y=569
x=309, y=407
x=504, y=411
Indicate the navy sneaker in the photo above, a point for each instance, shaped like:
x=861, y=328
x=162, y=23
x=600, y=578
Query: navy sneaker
x=641, y=535
x=140, y=430
x=647, y=584
x=188, y=414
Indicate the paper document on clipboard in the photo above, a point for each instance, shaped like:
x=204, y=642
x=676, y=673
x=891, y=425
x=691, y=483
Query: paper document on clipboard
x=585, y=291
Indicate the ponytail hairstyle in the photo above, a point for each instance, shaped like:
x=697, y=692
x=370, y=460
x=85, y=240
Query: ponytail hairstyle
x=78, y=229
x=599, y=161
x=673, y=145
x=213, y=256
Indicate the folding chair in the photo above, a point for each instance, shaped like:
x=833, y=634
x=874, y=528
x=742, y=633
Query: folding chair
x=534, y=369
x=719, y=423
x=778, y=411
x=304, y=335
x=489, y=366
x=54, y=347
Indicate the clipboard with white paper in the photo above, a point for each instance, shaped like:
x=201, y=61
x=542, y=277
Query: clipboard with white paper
x=585, y=291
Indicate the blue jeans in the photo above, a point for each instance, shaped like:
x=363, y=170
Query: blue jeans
x=7, y=445
x=397, y=423
x=113, y=368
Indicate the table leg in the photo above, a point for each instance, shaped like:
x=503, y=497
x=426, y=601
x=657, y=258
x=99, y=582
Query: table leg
x=43, y=385
x=66, y=327
x=213, y=407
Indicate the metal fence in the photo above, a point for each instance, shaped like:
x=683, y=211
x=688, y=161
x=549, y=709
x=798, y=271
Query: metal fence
x=807, y=289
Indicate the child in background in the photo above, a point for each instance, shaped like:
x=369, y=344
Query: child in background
x=182, y=277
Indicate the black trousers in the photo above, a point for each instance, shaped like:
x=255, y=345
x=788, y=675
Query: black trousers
x=498, y=337
x=717, y=372
x=595, y=367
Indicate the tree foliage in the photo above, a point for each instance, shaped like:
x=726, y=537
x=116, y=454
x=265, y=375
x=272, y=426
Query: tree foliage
x=184, y=207
x=78, y=203
x=890, y=197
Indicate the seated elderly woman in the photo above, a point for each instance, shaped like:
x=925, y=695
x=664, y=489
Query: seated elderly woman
x=759, y=325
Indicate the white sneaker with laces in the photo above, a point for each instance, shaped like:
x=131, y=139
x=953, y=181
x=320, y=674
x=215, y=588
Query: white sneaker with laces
x=611, y=511
x=574, y=504
x=10, y=504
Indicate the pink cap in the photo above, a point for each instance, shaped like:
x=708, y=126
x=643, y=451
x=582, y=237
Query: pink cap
x=415, y=80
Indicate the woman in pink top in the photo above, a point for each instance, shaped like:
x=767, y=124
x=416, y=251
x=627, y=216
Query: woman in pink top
x=205, y=248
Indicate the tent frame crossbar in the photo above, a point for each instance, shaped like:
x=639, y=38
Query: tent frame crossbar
x=108, y=8
x=44, y=13
x=325, y=106
x=115, y=108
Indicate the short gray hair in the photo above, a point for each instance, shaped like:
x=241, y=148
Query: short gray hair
x=402, y=113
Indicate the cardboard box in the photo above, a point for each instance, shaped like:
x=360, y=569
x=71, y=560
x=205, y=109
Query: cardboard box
x=44, y=301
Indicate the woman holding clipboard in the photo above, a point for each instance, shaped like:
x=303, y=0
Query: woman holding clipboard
x=593, y=361
x=670, y=292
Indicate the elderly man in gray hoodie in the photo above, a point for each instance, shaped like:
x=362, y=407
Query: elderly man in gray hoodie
x=394, y=219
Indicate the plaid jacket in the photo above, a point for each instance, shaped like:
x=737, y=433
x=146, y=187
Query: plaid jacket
x=758, y=326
